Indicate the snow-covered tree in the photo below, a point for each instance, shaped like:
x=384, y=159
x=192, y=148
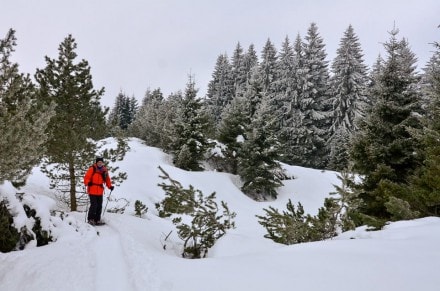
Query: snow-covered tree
x=258, y=164
x=220, y=88
x=239, y=71
x=123, y=111
x=149, y=119
x=384, y=148
x=314, y=101
x=78, y=120
x=23, y=118
x=349, y=100
x=268, y=66
x=190, y=142
x=424, y=186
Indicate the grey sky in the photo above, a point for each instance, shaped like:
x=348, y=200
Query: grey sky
x=132, y=45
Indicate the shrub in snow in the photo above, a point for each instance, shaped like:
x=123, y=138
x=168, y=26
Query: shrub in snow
x=140, y=208
x=201, y=224
x=8, y=234
x=292, y=226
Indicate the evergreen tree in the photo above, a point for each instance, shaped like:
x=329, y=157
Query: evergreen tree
x=293, y=130
x=314, y=101
x=349, y=82
x=424, y=187
x=258, y=164
x=123, y=112
x=220, y=88
x=23, y=118
x=232, y=129
x=250, y=60
x=149, y=119
x=239, y=71
x=78, y=119
x=383, y=148
x=268, y=66
x=190, y=142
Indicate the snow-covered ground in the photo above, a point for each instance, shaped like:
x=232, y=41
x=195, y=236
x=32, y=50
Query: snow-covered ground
x=131, y=253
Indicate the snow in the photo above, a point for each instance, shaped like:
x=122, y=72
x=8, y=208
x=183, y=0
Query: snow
x=132, y=253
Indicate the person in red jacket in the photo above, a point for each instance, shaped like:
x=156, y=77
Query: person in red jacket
x=95, y=179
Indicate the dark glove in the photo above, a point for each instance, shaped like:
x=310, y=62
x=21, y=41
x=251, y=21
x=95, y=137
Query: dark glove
x=112, y=187
x=90, y=184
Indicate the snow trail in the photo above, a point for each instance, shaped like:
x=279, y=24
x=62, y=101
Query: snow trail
x=110, y=263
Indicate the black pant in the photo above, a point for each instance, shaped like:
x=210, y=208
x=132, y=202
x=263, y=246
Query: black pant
x=95, y=207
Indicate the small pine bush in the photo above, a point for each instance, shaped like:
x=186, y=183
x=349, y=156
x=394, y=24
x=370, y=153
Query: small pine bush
x=9, y=236
x=140, y=208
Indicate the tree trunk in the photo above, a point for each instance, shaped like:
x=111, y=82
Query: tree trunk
x=73, y=205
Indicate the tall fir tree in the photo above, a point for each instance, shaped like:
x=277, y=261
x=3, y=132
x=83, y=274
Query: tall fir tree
x=349, y=100
x=314, y=101
x=268, y=66
x=258, y=165
x=23, y=118
x=123, y=111
x=220, y=88
x=149, y=119
x=190, y=141
x=239, y=72
x=78, y=119
x=424, y=187
x=383, y=148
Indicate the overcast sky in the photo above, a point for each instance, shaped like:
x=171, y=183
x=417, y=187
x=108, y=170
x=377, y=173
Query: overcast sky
x=132, y=45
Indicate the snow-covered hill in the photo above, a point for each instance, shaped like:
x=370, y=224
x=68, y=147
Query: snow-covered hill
x=128, y=253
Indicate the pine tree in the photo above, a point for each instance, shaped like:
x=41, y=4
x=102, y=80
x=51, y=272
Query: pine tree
x=123, y=112
x=79, y=117
x=239, y=71
x=268, y=66
x=232, y=129
x=258, y=164
x=190, y=141
x=23, y=118
x=250, y=61
x=314, y=101
x=424, y=186
x=150, y=118
x=220, y=88
x=383, y=148
x=293, y=129
x=349, y=82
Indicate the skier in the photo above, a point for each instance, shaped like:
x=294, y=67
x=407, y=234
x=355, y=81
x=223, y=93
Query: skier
x=95, y=178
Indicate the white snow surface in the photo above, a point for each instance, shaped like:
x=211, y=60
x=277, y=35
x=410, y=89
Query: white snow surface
x=131, y=253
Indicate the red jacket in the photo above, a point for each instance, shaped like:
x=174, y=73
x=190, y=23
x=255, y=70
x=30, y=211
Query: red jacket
x=95, y=178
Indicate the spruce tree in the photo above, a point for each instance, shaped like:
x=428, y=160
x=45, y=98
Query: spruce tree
x=123, y=111
x=268, y=66
x=190, y=142
x=349, y=100
x=239, y=71
x=383, y=148
x=23, y=118
x=258, y=164
x=314, y=101
x=149, y=119
x=78, y=120
x=424, y=187
x=232, y=129
x=220, y=88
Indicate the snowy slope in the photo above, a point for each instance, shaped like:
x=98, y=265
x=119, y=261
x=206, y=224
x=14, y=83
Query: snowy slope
x=128, y=253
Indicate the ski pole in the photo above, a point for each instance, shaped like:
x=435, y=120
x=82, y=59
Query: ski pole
x=87, y=206
x=108, y=198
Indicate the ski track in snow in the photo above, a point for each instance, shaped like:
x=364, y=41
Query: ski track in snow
x=121, y=263
x=110, y=264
